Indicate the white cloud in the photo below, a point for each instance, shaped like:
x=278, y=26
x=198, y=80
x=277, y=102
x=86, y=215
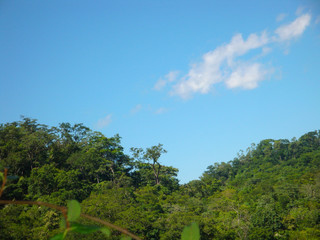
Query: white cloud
x=136, y=109
x=294, y=29
x=281, y=16
x=265, y=51
x=224, y=64
x=162, y=82
x=103, y=122
x=247, y=76
x=203, y=75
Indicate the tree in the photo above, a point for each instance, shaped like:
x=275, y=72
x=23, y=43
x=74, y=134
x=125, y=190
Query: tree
x=24, y=145
x=151, y=155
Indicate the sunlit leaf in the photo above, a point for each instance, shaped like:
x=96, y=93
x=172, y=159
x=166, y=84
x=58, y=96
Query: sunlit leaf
x=191, y=232
x=74, y=210
x=106, y=231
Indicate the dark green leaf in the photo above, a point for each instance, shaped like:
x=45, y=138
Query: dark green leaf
x=12, y=177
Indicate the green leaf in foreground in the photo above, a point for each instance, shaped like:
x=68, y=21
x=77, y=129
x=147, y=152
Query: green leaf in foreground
x=74, y=210
x=106, y=231
x=80, y=228
x=125, y=238
x=59, y=236
x=191, y=232
x=85, y=229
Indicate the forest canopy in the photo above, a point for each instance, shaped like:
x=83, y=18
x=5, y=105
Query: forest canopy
x=269, y=191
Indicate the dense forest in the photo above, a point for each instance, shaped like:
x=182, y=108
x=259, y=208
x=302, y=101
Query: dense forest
x=269, y=191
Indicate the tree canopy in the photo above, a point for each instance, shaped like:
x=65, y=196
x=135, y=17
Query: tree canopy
x=269, y=191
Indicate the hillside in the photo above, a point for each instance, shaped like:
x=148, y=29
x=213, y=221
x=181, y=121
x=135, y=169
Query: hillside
x=269, y=191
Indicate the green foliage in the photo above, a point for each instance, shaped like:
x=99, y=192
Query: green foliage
x=269, y=191
x=73, y=214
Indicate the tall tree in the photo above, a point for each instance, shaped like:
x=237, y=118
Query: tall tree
x=151, y=155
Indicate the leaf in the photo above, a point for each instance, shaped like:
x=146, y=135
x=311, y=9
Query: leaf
x=74, y=210
x=191, y=232
x=85, y=229
x=106, y=231
x=58, y=236
x=125, y=238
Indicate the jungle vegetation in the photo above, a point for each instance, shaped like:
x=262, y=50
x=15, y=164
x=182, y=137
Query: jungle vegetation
x=269, y=191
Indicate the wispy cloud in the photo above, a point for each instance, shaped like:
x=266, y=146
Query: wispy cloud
x=136, y=109
x=161, y=110
x=317, y=20
x=265, y=51
x=294, y=29
x=224, y=64
x=281, y=16
x=300, y=10
x=103, y=122
x=148, y=108
x=162, y=82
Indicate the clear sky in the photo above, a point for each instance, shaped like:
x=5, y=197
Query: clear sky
x=204, y=78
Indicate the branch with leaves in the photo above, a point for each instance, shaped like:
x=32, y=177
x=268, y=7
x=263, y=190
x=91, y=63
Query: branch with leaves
x=72, y=213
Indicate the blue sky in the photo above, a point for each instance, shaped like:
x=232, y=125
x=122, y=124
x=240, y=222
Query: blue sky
x=204, y=78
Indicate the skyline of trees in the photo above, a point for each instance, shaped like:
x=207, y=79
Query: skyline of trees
x=271, y=191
